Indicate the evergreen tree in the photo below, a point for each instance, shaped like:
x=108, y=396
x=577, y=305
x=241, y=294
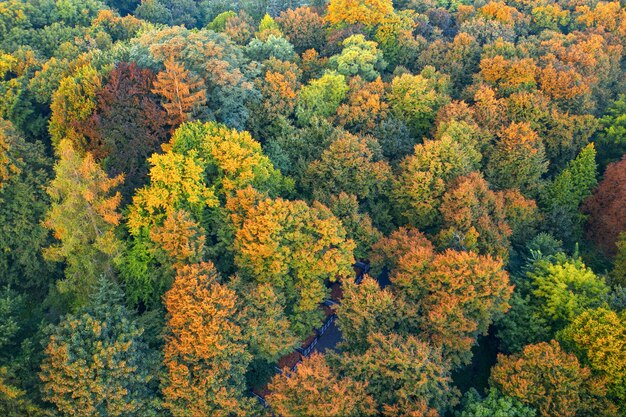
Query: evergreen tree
x=562, y=198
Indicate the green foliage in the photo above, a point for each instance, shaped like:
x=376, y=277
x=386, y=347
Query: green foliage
x=272, y=47
x=561, y=198
x=612, y=141
x=404, y=374
x=359, y=57
x=321, y=97
x=598, y=339
x=424, y=176
x=415, y=99
x=563, y=288
x=219, y=23
x=493, y=405
x=82, y=215
x=365, y=309
x=24, y=203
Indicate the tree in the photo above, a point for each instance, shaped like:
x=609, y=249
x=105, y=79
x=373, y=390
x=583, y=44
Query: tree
x=295, y=248
x=359, y=57
x=424, y=177
x=263, y=321
x=405, y=375
x=273, y=47
x=24, y=172
x=96, y=363
x=508, y=76
x=347, y=165
x=552, y=381
x=127, y=126
x=213, y=58
x=72, y=103
x=612, y=140
x=562, y=198
x=415, y=99
x=303, y=27
x=205, y=353
x=321, y=97
x=314, y=389
x=358, y=225
x=493, y=405
x=83, y=215
x=518, y=159
x=452, y=297
x=367, y=12
x=607, y=208
x=388, y=250
x=618, y=274
x=563, y=288
x=366, y=309
x=598, y=339
x=474, y=217
x=183, y=92
x=366, y=106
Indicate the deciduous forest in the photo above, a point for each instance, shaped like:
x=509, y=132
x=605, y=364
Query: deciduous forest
x=325, y=208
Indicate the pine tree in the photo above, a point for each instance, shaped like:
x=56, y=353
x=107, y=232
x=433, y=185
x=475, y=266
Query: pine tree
x=96, y=363
x=562, y=198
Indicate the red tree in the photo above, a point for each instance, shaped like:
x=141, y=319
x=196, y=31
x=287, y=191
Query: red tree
x=607, y=208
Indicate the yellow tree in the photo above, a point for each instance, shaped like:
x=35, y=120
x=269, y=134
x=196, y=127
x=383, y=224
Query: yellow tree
x=368, y=12
x=183, y=92
x=552, y=381
x=205, y=353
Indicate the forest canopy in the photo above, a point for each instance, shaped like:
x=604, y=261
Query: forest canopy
x=312, y=208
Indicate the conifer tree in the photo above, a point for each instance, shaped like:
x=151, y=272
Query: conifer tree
x=562, y=198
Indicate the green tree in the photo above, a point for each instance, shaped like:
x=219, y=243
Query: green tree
x=321, y=97
x=359, y=57
x=366, y=309
x=424, y=176
x=96, y=363
x=493, y=405
x=518, y=159
x=348, y=165
x=612, y=140
x=261, y=315
x=415, y=99
x=405, y=375
x=563, y=288
x=562, y=198
x=24, y=172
